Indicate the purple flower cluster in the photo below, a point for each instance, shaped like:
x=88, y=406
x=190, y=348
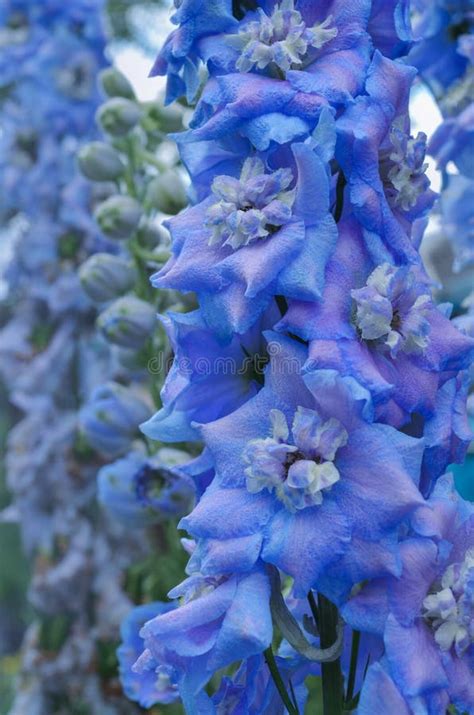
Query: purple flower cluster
x=327, y=467
x=50, y=357
x=445, y=60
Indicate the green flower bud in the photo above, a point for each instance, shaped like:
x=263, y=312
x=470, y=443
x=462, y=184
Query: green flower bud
x=118, y=116
x=115, y=84
x=162, y=119
x=166, y=193
x=99, y=161
x=152, y=236
x=135, y=360
x=118, y=216
x=105, y=277
x=128, y=322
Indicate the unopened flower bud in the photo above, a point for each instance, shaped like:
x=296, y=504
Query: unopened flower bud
x=110, y=419
x=162, y=119
x=131, y=359
x=115, y=84
x=99, y=161
x=118, y=116
x=118, y=216
x=152, y=235
x=128, y=322
x=167, y=193
x=105, y=277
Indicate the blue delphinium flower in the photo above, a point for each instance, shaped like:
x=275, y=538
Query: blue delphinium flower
x=202, y=364
x=293, y=468
x=311, y=197
x=220, y=620
x=140, y=490
x=440, y=27
x=180, y=57
x=111, y=417
x=428, y=609
x=321, y=50
x=379, y=324
x=382, y=163
x=253, y=238
x=148, y=682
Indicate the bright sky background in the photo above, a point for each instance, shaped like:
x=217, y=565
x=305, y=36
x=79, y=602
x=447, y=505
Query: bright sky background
x=134, y=62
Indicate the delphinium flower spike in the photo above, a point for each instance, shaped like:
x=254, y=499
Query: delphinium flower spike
x=325, y=385
x=50, y=358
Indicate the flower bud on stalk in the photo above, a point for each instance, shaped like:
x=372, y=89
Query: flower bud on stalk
x=128, y=322
x=115, y=84
x=100, y=162
x=118, y=216
x=166, y=193
x=105, y=277
x=152, y=235
x=163, y=119
x=132, y=359
x=118, y=116
x=110, y=419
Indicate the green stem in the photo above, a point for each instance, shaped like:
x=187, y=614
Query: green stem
x=353, y=665
x=143, y=287
x=155, y=393
x=331, y=672
x=151, y=159
x=278, y=680
x=314, y=608
x=155, y=257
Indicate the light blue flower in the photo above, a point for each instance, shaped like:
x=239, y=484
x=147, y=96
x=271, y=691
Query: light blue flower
x=425, y=615
x=202, y=366
x=139, y=490
x=380, y=325
x=383, y=164
x=180, y=58
x=312, y=491
x=147, y=683
x=253, y=238
x=221, y=620
x=111, y=417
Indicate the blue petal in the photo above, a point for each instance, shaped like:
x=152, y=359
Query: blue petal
x=304, y=544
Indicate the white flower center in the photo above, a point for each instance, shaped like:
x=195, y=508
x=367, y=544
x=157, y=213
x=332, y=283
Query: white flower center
x=450, y=608
x=250, y=208
x=282, y=40
x=299, y=466
x=391, y=310
x=403, y=168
